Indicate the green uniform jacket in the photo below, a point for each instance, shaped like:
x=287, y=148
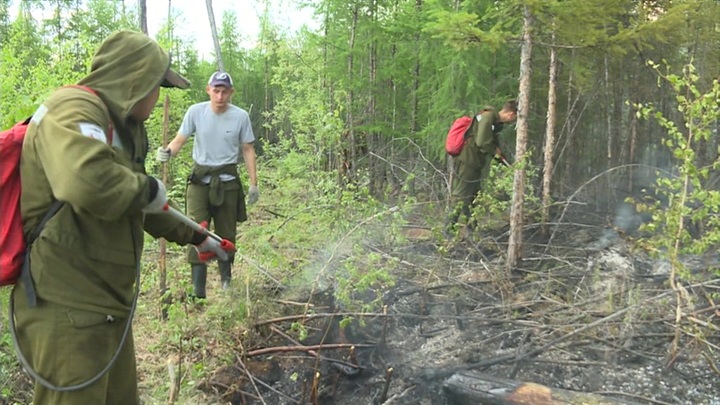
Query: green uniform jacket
x=472, y=165
x=88, y=253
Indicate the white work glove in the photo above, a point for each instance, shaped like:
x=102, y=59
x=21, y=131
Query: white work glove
x=158, y=203
x=211, y=248
x=253, y=195
x=163, y=154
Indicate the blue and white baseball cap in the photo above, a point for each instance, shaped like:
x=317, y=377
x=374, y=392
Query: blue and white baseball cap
x=220, y=79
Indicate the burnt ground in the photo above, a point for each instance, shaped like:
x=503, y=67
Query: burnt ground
x=584, y=311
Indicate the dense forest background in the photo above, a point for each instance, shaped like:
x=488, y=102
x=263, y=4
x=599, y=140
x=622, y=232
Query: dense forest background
x=351, y=117
x=380, y=82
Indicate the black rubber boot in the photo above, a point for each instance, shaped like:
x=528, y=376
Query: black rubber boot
x=199, y=278
x=225, y=268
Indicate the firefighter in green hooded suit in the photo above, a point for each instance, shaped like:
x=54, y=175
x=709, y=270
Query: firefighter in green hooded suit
x=471, y=167
x=73, y=312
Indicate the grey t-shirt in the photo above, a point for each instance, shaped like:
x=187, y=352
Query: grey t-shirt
x=217, y=136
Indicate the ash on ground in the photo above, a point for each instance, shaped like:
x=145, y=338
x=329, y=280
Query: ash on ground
x=586, y=313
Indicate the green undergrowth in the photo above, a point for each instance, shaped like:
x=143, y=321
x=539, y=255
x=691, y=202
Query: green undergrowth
x=304, y=237
x=683, y=212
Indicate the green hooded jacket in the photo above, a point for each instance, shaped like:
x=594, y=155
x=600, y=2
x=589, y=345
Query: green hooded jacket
x=87, y=255
x=472, y=164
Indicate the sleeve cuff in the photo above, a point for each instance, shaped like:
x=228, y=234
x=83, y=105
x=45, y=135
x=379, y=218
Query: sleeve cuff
x=198, y=238
x=153, y=185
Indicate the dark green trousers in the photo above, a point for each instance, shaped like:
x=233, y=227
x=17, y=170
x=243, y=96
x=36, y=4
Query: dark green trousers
x=67, y=346
x=467, y=183
x=223, y=218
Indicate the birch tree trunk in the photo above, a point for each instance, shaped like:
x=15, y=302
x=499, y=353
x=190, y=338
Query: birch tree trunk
x=267, y=75
x=516, y=211
x=549, y=136
x=610, y=178
x=450, y=162
x=631, y=158
x=351, y=95
x=566, y=176
x=216, y=41
x=377, y=180
x=416, y=75
x=336, y=158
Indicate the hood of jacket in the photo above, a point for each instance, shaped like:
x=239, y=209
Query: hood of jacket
x=126, y=68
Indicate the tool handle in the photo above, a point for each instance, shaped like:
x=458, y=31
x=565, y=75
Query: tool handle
x=194, y=225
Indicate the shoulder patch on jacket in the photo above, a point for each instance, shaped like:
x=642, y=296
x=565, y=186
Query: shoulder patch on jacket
x=39, y=114
x=93, y=131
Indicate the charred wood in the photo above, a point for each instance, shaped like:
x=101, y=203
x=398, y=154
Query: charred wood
x=473, y=388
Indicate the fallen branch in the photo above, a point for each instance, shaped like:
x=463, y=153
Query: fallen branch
x=644, y=398
x=278, y=349
x=286, y=302
x=174, y=382
x=261, y=269
x=230, y=391
x=250, y=377
x=484, y=321
x=398, y=396
x=313, y=352
x=415, y=290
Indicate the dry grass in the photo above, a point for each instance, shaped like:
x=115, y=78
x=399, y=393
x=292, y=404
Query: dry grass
x=194, y=340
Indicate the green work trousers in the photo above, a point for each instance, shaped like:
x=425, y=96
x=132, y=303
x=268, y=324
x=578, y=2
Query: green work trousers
x=223, y=218
x=467, y=183
x=67, y=346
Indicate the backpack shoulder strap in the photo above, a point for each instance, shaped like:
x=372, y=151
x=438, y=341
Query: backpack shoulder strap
x=25, y=270
x=54, y=208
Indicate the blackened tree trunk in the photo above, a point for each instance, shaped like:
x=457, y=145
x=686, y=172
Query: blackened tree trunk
x=142, y=6
x=471, y=387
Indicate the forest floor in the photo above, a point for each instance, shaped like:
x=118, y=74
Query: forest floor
x=584, y=311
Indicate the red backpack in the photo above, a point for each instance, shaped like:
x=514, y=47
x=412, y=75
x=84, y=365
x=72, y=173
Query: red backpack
x=12, y=242
x=456, y=137
x=11, y=234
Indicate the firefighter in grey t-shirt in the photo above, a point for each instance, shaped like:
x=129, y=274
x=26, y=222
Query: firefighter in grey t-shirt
x=215, y=194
